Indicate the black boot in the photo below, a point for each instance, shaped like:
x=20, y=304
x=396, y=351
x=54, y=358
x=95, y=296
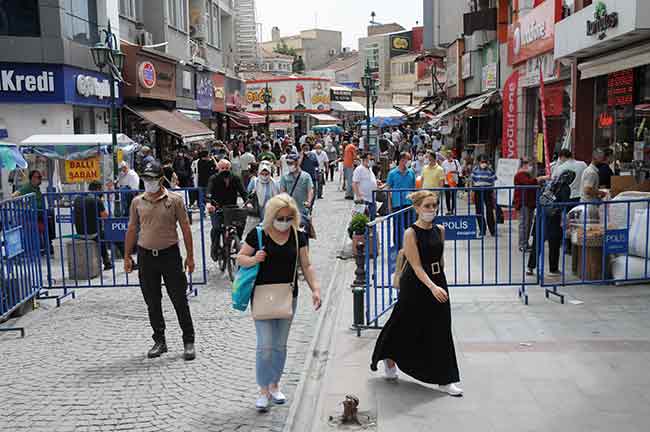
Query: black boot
x=190, y=353
x=157, y=350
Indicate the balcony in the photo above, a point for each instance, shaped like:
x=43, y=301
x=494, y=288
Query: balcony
x=484, y=19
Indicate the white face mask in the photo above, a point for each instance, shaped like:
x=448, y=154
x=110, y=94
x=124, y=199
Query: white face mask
x=151, y=186
x=281, y=226
x=264, y=178
x=428, y=216
x=292, y=168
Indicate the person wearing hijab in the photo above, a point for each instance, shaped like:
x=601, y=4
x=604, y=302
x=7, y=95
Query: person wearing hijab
x=264, y=187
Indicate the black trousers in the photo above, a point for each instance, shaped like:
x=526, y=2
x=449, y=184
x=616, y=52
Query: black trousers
x=331, y=170
x=168, y=265
x=484, y=204
x=450, y=199
x=553, y=234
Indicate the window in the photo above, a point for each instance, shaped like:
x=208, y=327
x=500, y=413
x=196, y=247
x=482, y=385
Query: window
x=80, y=21
x=215, y=30
x=20, y=18
x=177, y=14
x=128, y=8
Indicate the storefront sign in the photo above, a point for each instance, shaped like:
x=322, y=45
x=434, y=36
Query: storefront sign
x=151, y=76
x=510, y=117
x=620, y=88
x=115, y=229
x=305, y=94
x=82, y=171
x=554, y=99
x=467, y=66
x=605, y=120
x=489, y=77
x=616, y=241
x=453, y=59
x=603, y=21
x=459, y=227
x=341, y=95
x=529, y=71
x=400, y=43
x=147, y=74
x=54, y=84
x=204, y=91
x=533, y=34
x=235, y=92
x=219, y=92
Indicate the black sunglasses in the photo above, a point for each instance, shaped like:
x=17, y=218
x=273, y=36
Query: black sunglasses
x=284, y=219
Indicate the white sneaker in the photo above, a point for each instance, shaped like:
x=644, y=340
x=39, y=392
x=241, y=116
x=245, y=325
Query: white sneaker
x=390, y=373
x=278, y=397
x=262, y=403
x=451, y=390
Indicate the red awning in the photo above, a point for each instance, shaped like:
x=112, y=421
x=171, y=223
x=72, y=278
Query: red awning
x=247, y=118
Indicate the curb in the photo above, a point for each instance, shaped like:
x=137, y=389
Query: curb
x=328, y=308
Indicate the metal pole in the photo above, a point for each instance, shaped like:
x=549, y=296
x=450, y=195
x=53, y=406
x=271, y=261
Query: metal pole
x=368, y=86
x=114, y=126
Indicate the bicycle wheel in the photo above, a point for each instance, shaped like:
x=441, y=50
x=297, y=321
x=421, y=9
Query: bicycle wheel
x=223, y=254
x=233, y=249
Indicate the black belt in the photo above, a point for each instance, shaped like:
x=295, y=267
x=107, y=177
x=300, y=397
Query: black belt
x=157, y=252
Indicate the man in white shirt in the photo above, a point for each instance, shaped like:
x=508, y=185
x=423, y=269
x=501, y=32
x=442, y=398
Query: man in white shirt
x=396, y=137
x=128, y=177
x=364, y=182
x=323, y=162
x=452, y=176
x=437, y=143
x=566, y=162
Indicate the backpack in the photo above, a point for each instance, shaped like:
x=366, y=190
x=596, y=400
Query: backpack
x=400, y=266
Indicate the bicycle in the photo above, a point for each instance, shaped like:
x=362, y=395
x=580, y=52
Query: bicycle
x=234, y=223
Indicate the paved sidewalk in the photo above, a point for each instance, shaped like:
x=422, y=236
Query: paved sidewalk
x=543, y=367
x=83, y=366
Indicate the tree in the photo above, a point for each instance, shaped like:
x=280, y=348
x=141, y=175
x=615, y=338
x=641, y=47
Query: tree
x=298, y=63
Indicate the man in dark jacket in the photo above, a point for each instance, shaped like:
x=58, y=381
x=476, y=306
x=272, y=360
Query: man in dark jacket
x=183, y=168
x=223, y=190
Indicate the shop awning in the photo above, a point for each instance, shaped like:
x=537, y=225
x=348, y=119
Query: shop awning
x=10, y=157
x=325, y=118
x=246, y=119
x=386, y=113
x=621, y=60
x=74, y=147
x=451, y=110
x=349, y=107
x=174, y=122
x=485, y=99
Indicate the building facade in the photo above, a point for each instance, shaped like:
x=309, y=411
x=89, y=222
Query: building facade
x=247, y=51
x=316, y=47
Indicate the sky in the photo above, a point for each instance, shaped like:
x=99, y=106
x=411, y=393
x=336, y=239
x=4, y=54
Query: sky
x=350, y=17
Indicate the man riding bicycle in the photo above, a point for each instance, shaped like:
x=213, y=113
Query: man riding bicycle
x=222, y=192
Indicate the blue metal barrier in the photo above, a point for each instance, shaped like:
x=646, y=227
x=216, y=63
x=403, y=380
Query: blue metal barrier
x=20, y=261
x=594, y=243
x=87, y=243
x=472, y=256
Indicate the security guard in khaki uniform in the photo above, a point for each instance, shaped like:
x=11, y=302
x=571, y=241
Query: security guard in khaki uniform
x=153, y=218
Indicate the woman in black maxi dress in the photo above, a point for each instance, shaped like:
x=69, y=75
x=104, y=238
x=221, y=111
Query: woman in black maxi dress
x=417, y=336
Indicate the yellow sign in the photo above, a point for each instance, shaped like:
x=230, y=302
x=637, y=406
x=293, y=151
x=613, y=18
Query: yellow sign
x=400, y=43
x=540, y=148
x=120, y=156
x=82, y=171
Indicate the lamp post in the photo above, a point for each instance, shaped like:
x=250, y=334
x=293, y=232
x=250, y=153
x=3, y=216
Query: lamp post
x=374, y=98
x=267, y=102
x=368, y=85
x=108, y=54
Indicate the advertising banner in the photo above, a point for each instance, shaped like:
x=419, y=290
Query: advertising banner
x=533, y=34
x=204, y=91
x=82, y=171
x=307, y=94
x=401, y=43
x=510, y=117
x=219, y=92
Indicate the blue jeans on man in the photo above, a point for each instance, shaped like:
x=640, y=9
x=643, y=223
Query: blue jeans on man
x=347, y=172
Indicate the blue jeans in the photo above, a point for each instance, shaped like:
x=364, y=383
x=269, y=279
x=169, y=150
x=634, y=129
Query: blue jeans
x=271, y=356
x=347, y=172
x=216, y=220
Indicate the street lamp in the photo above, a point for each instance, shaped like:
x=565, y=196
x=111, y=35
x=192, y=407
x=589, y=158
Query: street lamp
x=374, y=98
x=368, y=84
x=108, y=54
x=267, y=102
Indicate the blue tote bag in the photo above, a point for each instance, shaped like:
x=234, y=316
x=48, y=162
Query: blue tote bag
x=242, y=287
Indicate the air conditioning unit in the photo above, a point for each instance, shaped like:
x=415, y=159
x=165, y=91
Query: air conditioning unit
x=145, y=38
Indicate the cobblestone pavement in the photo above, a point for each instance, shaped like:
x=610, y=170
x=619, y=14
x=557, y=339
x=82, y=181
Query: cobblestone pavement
x=82, y=367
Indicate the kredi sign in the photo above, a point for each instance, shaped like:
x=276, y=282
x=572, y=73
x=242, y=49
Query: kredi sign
x=12, y=81
x=603, y=21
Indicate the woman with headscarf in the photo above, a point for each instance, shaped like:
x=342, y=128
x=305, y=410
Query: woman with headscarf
x=264, y=187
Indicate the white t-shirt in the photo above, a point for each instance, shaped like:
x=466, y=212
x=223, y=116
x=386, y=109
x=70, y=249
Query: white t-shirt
x=395, y=137
x=323, y=160
x=577, y=167
x=130, y=179
x=453, y=166
x=245, y=160
x=366, y=180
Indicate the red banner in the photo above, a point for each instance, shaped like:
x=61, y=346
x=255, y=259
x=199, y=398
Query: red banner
x=547, y=156
x=510, y=117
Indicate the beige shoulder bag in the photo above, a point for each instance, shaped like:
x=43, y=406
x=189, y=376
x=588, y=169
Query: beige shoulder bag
x=275, y=301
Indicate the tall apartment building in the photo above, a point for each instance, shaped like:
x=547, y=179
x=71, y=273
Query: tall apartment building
x=246, y=32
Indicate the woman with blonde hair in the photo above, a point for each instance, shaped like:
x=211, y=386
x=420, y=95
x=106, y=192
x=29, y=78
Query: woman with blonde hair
x=283, y=248
x=417, y=336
